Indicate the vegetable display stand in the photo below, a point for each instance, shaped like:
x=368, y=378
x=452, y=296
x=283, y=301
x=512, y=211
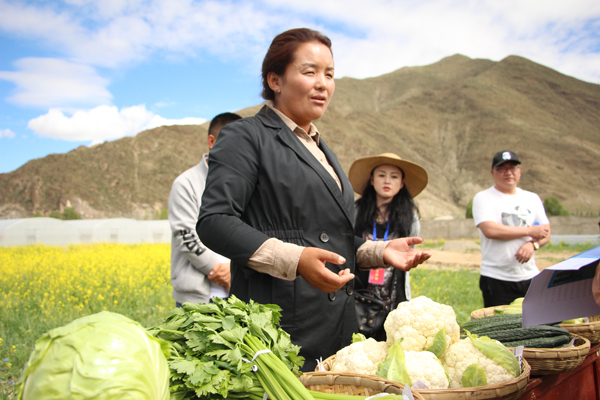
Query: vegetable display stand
x=582, y=382
x=352, y=384
x=510, y=390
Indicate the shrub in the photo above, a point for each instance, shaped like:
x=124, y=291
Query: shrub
x=553, y=207
x=469, y=213
x=70, y=213
x=55, y=214
x=162, y=214
x=67, y=214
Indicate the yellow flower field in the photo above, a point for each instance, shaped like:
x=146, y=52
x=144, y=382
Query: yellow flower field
x=44, y=287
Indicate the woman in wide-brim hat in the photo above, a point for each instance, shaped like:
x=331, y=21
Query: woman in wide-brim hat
x=386, y=210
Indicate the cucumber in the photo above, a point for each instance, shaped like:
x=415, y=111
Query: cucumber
x=530, y=332
x=496, y=322
x=540, y=343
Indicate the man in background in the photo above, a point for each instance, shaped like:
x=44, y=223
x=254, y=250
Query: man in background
x=512, y=225
x=197, y=273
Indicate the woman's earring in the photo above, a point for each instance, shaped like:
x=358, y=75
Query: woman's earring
x=277, y=90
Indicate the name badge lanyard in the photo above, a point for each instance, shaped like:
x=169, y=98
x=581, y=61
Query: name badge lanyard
x=385, y=235
x=376, y=275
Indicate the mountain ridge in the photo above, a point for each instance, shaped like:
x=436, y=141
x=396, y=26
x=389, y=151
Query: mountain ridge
x=450, y=116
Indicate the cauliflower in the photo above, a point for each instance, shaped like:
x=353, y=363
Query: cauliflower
x=463, y=353
x=418, y=321
x=360, y=357
x=425, y=366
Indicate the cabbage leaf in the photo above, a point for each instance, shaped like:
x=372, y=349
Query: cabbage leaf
x=497, y=352
x=474, y=376
x=439, y=343
x=393, y=368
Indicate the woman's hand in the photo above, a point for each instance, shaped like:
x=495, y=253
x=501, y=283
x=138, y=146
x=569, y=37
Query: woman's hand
x=400, y=255
x=311, y=267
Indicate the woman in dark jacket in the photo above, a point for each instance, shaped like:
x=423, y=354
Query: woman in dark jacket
x=278, y=204
x=385, y=211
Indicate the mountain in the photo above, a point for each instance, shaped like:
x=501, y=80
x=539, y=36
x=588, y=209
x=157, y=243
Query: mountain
x=450, y=116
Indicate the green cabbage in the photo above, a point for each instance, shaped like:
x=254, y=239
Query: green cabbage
x=102, y=356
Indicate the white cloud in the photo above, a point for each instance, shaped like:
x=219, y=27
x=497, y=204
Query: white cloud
x=7, y=133
x=101, y=123
x=51, y=82
x=368, y=40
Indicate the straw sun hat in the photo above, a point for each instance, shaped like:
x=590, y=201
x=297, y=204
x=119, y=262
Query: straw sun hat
x=415, y=176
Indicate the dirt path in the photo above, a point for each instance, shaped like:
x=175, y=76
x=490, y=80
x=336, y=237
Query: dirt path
x=466, y=254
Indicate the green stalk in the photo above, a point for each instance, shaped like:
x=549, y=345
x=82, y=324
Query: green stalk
x=289, y=382
x=270, y=384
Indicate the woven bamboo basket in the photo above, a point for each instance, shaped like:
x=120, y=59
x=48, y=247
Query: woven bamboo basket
x=352, y=384
x=550, y=361
x=510, y=390
x=485, y=312
x=553, y=361
x=589, y=330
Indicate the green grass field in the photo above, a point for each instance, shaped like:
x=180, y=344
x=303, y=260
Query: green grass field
x=45, y=287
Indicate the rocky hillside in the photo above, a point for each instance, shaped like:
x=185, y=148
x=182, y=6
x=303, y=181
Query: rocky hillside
x=451, y=117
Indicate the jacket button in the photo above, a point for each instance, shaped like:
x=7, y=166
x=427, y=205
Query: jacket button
x=324, y=237
x=349, y=290
x=331, y=296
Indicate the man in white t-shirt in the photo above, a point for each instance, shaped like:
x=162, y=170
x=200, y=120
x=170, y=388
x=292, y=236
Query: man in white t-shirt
x=512, y=225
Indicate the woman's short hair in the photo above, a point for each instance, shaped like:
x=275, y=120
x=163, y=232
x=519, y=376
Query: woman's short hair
x=281, y=53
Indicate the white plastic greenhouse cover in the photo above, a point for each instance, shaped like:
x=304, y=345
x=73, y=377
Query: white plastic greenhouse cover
x=25, y=231
x=52, y=231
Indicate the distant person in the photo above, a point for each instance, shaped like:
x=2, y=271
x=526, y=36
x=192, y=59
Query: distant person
x=197, y=273
x=512, y=225
x=385, y=211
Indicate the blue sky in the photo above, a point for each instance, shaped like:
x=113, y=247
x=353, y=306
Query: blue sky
x=80, y=72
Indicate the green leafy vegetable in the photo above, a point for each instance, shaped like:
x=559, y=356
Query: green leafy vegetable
x=393, y=368
x=474, y=376
x=497, y=352
x=358, y=337
x=215, y=347
x=102, y=356
x=439, y=343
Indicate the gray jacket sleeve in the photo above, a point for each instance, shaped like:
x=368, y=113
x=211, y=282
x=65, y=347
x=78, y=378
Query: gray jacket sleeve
x=184, y=206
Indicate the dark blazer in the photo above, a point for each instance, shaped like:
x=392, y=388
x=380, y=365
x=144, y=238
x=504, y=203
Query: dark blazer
x=263, y=182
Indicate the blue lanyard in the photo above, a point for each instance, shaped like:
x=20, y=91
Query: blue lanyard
x=385, y=235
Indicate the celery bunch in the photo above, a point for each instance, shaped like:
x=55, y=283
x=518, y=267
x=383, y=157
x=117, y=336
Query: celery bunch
x=235, y=350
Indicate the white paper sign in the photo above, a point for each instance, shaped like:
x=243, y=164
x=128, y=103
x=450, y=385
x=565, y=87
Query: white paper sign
x=563, y=291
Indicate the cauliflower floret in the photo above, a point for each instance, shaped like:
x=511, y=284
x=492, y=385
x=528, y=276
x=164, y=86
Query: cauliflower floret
x=425, y=366
x=361, y=357
x=462, y=354
x=417, y=321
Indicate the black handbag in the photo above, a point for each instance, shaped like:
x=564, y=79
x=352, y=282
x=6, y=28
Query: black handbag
x=371, y=312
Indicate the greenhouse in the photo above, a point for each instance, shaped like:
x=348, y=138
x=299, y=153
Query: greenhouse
x=25, y=231
x=160, y=230
x=114, y=230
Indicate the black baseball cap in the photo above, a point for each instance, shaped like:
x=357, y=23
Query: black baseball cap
x=504, y=156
